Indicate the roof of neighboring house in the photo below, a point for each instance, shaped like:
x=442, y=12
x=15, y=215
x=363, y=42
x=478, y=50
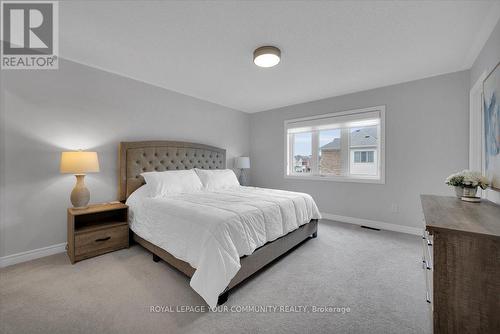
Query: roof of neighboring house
x=360, y=137
x=303, y=157
x=333, y=145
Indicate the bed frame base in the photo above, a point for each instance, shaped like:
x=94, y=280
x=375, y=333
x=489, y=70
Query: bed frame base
x=250, y=264
x=223, y=297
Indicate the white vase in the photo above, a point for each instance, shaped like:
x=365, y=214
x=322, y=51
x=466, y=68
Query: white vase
x=469, y=192
x=459, y=191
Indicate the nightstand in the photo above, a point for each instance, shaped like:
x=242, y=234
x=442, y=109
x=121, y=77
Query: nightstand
x=98, y=229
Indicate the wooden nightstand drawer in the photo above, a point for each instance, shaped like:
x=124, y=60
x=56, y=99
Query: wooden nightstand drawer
x=92, y=243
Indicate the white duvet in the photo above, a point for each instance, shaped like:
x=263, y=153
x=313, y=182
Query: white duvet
x=211, y=230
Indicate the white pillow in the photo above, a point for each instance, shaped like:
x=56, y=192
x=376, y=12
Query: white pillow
x=214, y=179
x=171, y=182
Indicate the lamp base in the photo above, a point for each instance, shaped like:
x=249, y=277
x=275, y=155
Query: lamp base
x=242, y=177
x=80, y=196
x=80, y=207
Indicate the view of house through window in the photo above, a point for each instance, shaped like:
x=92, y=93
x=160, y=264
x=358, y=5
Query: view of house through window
x=330, y=157
x=364, y=156
x=344, y=145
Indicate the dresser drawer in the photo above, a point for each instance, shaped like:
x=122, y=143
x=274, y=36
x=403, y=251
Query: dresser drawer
x=92, y=243
x=428, y=285
x=427, y=264
x=427, y=250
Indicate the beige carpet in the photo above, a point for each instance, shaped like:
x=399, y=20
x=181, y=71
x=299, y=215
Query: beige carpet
x=377, y=275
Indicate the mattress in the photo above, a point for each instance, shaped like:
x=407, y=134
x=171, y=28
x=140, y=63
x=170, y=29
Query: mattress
x=211, y=230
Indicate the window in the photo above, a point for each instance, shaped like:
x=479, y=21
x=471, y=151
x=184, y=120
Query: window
x=363, y=156
x=328, y=140
x=344, y=146
x=302, y=143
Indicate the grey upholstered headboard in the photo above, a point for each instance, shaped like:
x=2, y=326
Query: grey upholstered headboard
x=147, y=156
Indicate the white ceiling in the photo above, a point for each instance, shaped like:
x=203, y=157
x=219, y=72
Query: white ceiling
x=204, y=49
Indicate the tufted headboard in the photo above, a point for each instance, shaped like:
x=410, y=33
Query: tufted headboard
x=146, y=156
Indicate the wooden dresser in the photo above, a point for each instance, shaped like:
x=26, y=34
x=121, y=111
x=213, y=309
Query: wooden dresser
x=461, y=258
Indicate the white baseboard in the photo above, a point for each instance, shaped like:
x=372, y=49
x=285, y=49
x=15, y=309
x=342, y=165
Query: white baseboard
x=32, y=254
x=373, y=223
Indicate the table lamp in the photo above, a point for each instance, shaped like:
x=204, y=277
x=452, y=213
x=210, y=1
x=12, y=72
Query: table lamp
x=79, y=163
x=242, y=163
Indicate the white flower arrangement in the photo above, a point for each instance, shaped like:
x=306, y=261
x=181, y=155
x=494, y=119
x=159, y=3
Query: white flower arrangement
x=467, y=179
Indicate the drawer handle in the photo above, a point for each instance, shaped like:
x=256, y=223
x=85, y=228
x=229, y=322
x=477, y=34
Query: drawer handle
x=102, y=239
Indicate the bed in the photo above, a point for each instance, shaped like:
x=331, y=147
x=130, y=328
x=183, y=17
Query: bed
x=217, y=238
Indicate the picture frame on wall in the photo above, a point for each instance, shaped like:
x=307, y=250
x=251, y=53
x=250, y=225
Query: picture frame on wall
x=491, y=127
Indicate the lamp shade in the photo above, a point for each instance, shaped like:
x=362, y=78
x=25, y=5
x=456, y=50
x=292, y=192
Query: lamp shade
x=79, y=162
x=242, y=162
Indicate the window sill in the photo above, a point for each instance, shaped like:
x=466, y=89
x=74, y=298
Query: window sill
x=336, y=178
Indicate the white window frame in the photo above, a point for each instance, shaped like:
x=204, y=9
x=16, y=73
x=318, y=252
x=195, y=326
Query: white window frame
x=380, y=179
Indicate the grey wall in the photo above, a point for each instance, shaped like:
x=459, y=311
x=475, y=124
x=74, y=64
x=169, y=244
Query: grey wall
x=426, y=140
x=487, y=59
x=46, y=112
x=2, y=159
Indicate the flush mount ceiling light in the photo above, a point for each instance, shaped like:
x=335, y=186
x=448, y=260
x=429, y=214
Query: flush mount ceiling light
x=267, y=56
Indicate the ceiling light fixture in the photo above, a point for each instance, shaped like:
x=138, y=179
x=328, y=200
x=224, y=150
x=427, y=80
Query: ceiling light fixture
x=267, y=56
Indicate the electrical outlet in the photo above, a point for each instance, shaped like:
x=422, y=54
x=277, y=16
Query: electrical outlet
x=394, y=208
